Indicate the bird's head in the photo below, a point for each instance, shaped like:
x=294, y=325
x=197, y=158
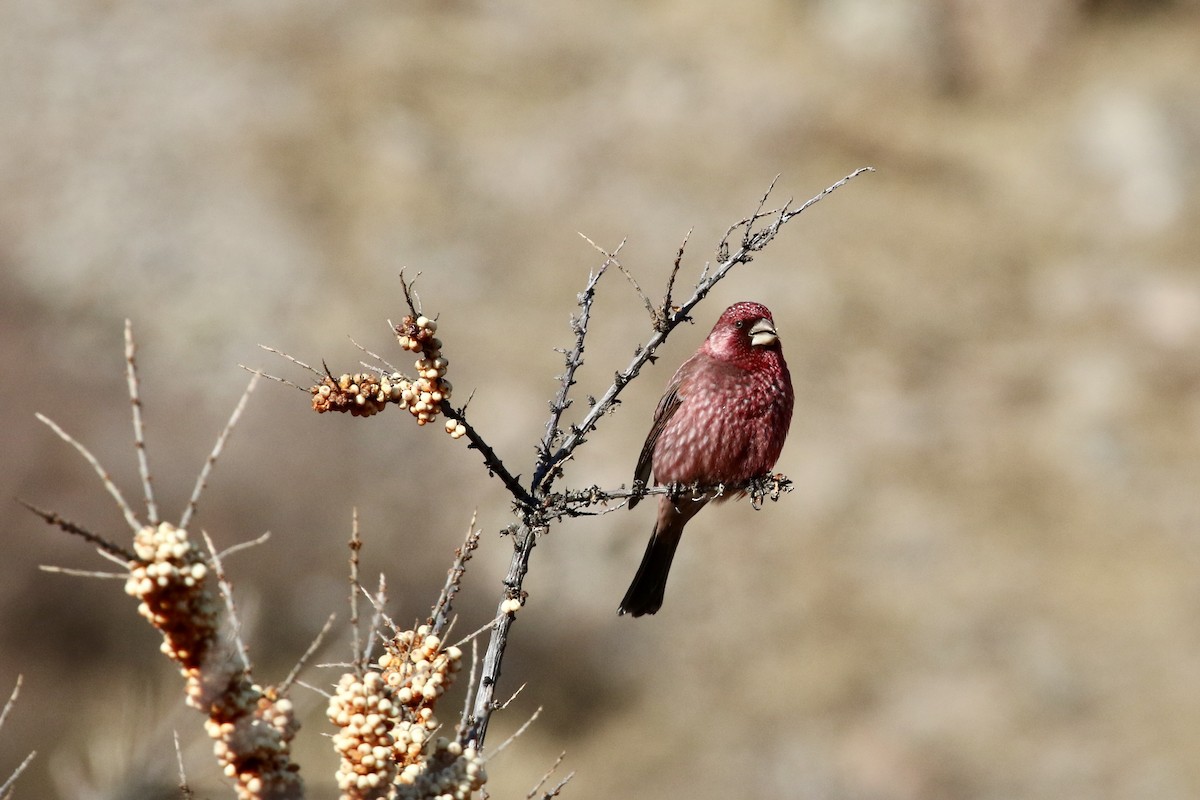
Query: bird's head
x=745, y=334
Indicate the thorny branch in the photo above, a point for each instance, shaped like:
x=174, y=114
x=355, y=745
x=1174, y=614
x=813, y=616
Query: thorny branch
x=52, y=518
x=441, y=609
x=574, y=359
x=752, y=242
x=536, y=516
x=485, y=689
x=490, y=460
x=173, y=580
x=173, y=583
x=576, y=502
x=538, y=505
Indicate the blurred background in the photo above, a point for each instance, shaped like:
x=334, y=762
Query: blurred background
x=987, y=582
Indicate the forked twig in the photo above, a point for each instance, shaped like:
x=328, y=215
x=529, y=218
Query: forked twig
x=659, y=317
x=557, y=763
x=378, y=618
x=410, y=293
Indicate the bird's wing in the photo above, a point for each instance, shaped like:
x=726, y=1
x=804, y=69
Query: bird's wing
x=667, y=406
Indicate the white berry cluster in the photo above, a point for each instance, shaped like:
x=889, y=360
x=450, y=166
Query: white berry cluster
x=423, y=397
x=416, y=660
x=363, y=394
x=420, y=672
x=387, y=724
x=252, y=730
x=168, y=579
x=364, y=711
x=449, y=772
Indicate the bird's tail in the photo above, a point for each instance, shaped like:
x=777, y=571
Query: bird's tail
x=645, y=594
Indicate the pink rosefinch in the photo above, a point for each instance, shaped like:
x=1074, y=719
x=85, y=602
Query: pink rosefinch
x=722, y=420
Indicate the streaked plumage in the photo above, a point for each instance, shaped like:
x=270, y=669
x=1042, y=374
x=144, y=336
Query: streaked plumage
x=722, y=420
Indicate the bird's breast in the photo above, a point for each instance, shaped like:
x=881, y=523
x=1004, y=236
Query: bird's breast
x=729, y=428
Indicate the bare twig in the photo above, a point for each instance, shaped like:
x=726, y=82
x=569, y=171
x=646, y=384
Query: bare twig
x=378, y=618
x=308, y=654
x=490, y=460
x=513, y=697
x=6, y=787
x=355, y=549
x=442, y=608
x=558, y=787
x=317, y=689
x=206, y=470
x=752, y=242
x=474, y=635
x=84, y=573
x=235, y=622
x=8, y=707
x=557, y=763
x=391, y=368
x=519, y=731
x=659, y=317
x=292, y=359
x=469, y=700
x=139, y=437
x=12, y=700
x=240, y=546
x=611, y=258
x=70, y=527
x=184, y=789
x=574, y=360
x=410, y=293
x=111, y=487
x=524, y=540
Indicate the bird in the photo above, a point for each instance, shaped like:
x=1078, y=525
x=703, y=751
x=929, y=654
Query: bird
x=723, y=419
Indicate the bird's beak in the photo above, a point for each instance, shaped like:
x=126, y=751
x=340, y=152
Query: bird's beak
x=762, y=333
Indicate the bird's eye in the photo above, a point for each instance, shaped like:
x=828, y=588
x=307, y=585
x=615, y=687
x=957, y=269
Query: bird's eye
x=739, y=324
